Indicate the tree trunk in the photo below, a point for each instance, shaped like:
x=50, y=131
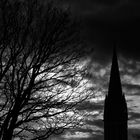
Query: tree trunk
x=8, y=126
x=4, y=127
x=7, y=131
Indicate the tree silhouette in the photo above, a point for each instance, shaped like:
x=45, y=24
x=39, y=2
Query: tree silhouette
x=40, y=77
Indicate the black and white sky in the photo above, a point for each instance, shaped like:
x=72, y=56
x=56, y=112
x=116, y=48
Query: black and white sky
x=107, y=22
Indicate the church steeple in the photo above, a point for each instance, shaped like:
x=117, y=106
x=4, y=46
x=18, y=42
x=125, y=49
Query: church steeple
x=115, y=82
x=115, y=109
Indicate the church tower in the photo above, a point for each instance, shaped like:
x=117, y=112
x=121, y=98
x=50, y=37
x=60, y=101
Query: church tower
x=115, y=108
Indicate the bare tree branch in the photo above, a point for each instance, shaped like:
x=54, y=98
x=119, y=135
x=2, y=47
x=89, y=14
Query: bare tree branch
x=41, y=78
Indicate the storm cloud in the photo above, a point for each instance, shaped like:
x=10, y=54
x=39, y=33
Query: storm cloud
x=108, y=22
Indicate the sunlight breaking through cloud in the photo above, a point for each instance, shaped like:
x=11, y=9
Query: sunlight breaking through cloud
x=76, y=134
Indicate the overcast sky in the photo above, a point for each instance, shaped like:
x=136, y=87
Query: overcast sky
x=107, y=22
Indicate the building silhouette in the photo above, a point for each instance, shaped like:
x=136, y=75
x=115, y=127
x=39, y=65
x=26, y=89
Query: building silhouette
x=115, y=109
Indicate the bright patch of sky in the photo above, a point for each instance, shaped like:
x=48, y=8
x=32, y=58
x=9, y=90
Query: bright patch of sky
x=130, y=78
x=77, y=134
x=99, y=79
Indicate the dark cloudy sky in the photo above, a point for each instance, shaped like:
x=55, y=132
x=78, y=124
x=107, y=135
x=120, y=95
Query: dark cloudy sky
x=107, y=22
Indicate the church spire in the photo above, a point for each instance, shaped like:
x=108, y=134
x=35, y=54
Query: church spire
x=115, y=81
x=115, y=107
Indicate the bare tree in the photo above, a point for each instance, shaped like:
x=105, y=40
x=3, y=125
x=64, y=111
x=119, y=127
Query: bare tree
x=40, y=75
